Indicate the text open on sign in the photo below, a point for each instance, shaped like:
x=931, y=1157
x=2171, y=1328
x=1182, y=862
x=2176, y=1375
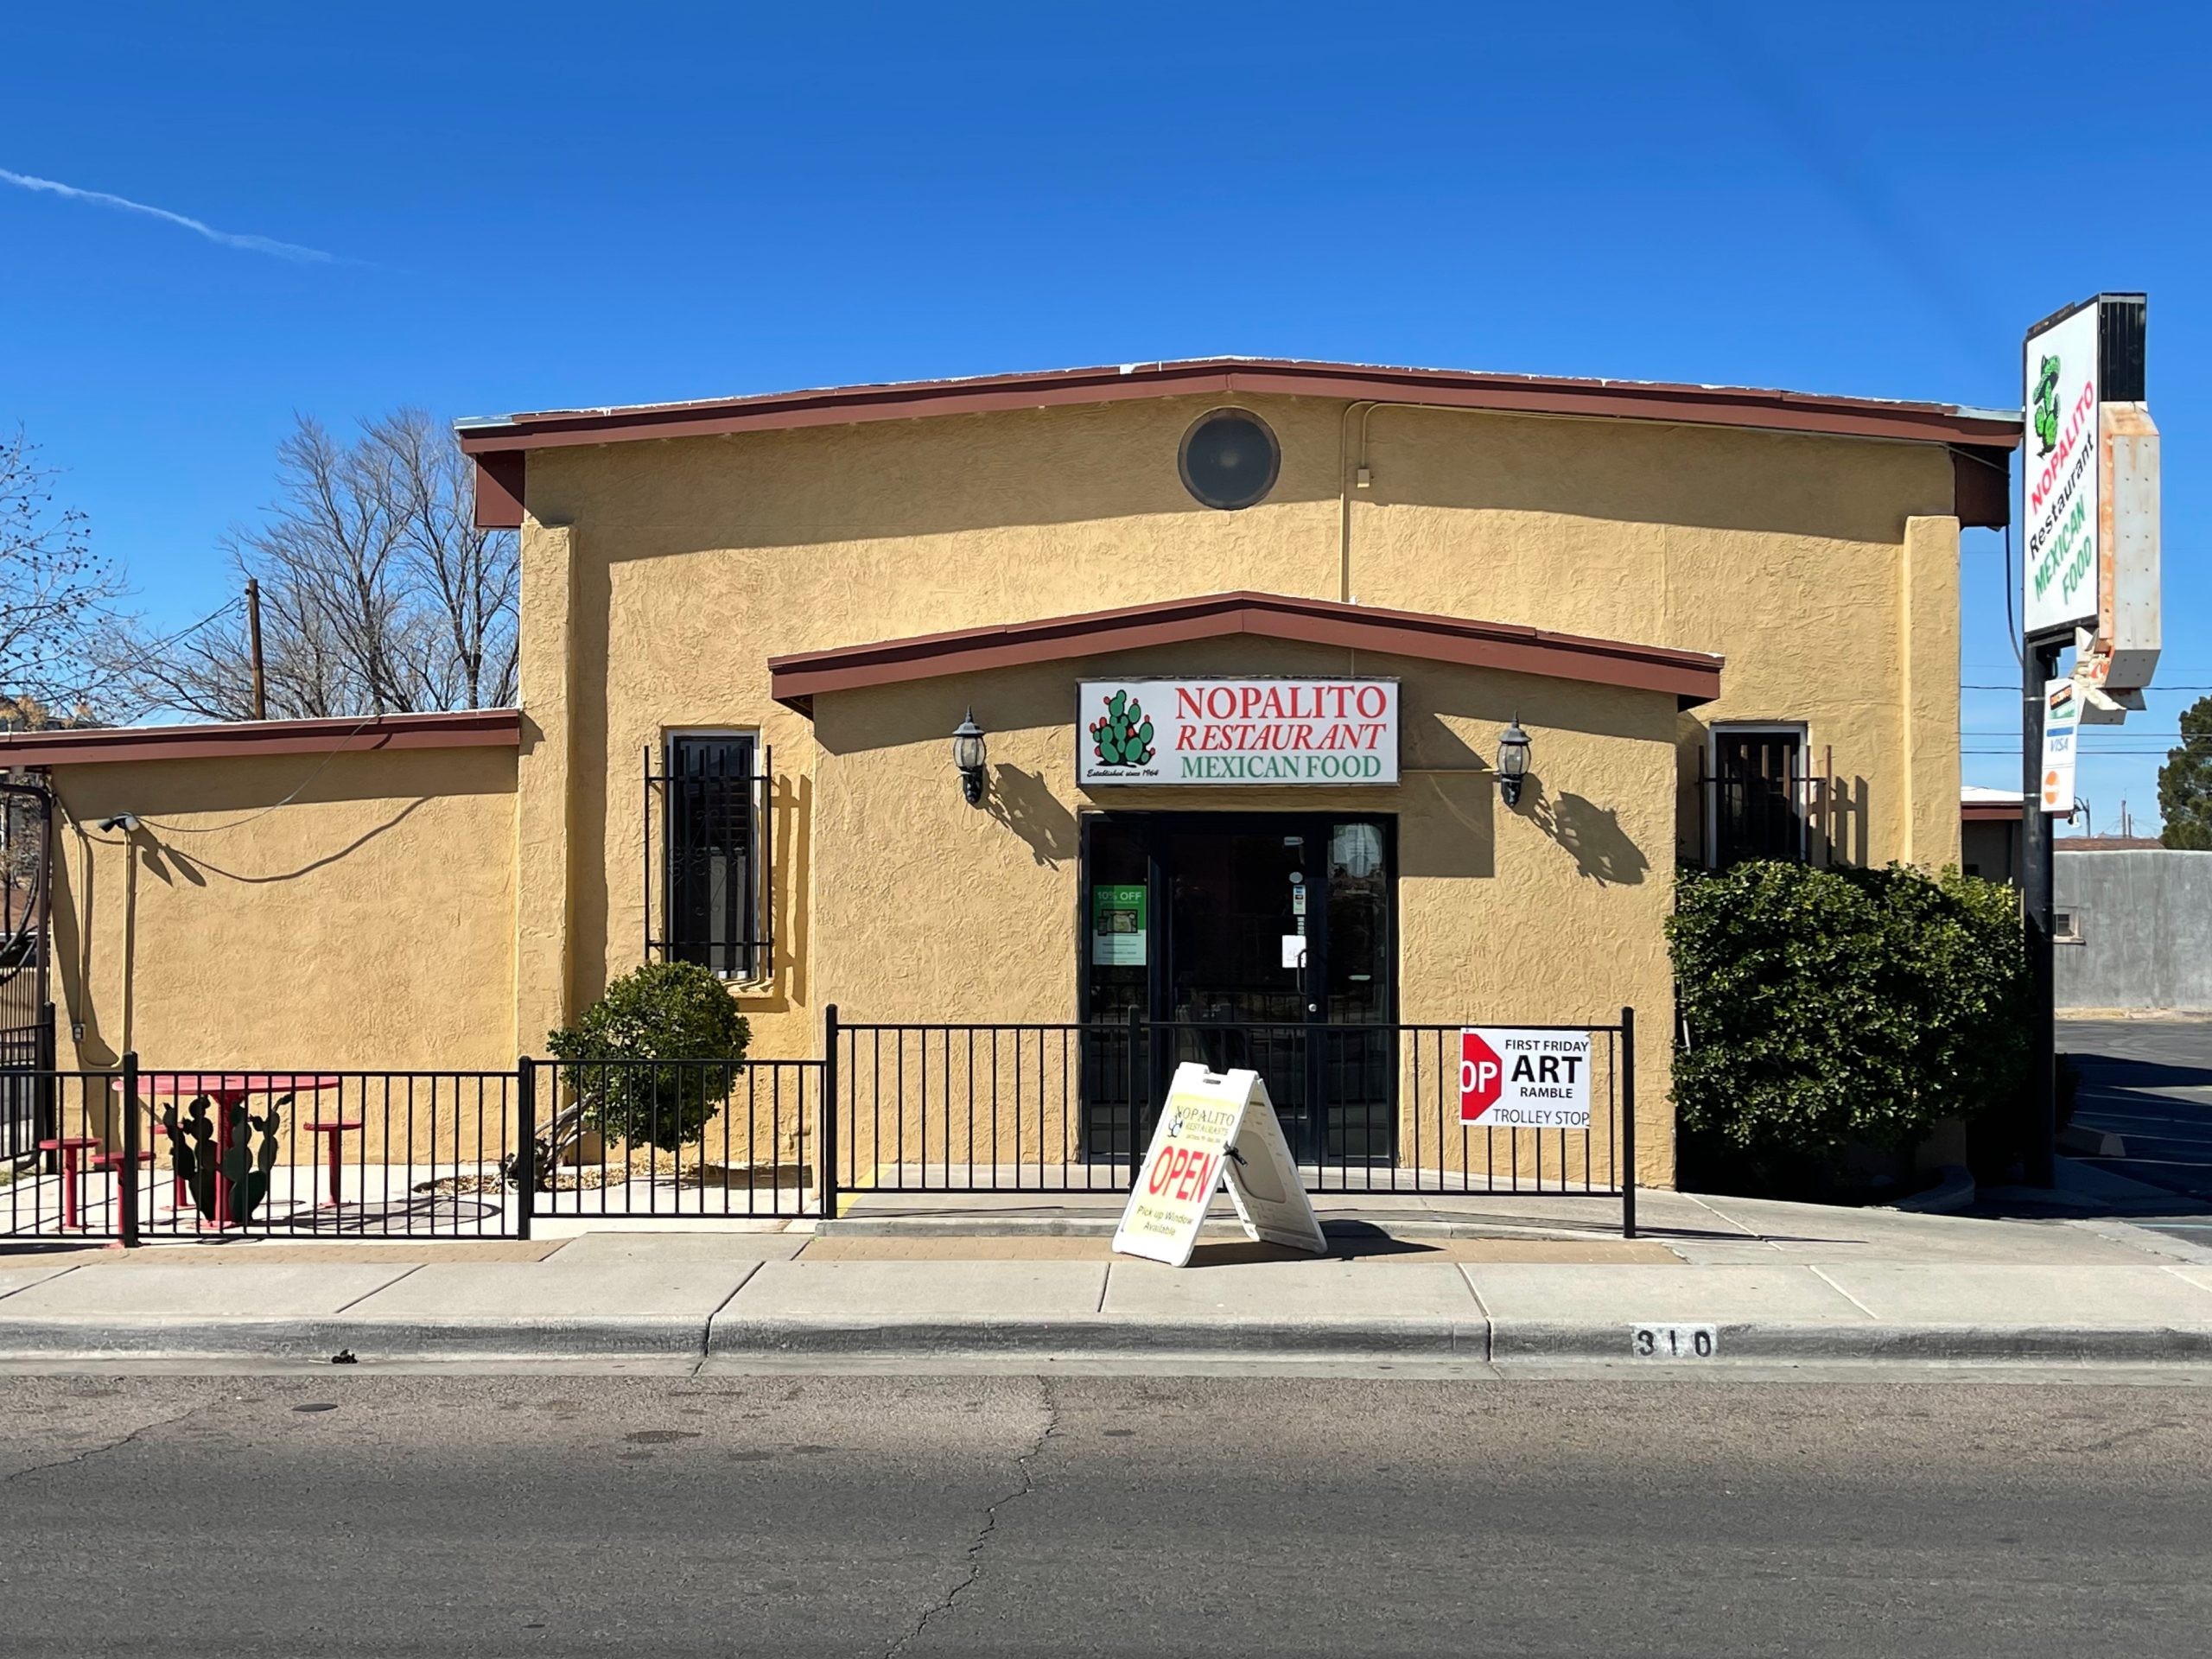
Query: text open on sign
x=1524, y=1077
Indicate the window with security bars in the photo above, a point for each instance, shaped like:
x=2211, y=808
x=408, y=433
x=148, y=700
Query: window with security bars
x=1759, y=789
x=712, y=803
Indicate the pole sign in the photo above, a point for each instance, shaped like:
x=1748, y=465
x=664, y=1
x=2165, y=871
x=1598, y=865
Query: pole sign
x=1524, y=1077
x=2058, y=571
x=1216, y=1128
x=1236, y=731
x=2062, y=717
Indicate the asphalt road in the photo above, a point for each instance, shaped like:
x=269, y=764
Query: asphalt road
x=358, y=1513
x=2150, y=1083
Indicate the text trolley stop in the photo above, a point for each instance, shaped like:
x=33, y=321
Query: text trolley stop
x=1524, y=1077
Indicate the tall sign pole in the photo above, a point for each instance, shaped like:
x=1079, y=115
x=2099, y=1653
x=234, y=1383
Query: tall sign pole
x=2088, y=578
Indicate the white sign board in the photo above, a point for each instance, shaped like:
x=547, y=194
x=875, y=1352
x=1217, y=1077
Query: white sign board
x=2062, y=716
x=1215, y=1128
x=2059, y=569
x=1236, y=731
x=2125, y=653
x=1524, y=1077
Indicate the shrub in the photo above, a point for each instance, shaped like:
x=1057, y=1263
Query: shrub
x=664, y=1011
x=1823, y=1010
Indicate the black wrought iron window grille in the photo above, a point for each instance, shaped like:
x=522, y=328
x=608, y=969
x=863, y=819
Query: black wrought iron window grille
x=1760, y=798
x=708, y=840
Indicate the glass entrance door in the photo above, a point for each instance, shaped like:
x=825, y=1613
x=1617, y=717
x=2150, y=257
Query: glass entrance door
x=1245, y=940
x=1240, y=959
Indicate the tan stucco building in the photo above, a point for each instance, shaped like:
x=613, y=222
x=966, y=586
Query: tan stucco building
x=1726, y=620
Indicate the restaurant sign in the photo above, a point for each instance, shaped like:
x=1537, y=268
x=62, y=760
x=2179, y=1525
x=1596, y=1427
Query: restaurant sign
x=1236, y=731
x=2059, y=569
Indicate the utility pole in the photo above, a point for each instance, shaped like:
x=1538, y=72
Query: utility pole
x=253, y=639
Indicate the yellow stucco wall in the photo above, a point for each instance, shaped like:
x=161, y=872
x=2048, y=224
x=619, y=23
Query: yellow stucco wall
x=659, y=577
x=367, y=923
x=456, y=904
x=1550, y=912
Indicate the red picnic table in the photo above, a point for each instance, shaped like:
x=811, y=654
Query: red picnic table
x=229, y=1089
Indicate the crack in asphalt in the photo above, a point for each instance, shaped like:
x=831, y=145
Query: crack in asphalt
x=91, y=1451
x=990, y=1520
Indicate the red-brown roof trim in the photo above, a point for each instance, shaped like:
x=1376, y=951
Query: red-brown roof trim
x=499, y=444
x=1795, y=411
x=473, y=729
x=1691, y=676
x=1989, y=813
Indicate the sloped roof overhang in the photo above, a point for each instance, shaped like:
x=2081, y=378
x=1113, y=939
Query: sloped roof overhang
x=471, y=728
x=1980, y=439
x=1691, y=677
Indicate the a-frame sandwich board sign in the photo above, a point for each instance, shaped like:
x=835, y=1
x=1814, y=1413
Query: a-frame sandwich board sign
x=1216, y=1128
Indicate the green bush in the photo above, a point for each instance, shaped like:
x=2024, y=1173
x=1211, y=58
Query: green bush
x=1824, y=1011
x=664, y=1011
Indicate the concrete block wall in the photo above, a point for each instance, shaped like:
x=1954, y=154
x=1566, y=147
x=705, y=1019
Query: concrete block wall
x=2145, y=922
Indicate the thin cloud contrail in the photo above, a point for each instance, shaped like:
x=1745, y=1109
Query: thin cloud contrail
x=101, y=198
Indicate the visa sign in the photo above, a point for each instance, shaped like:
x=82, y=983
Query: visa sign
x=1524, y=1077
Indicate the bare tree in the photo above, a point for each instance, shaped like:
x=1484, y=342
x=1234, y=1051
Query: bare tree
x=56, y=594
x=378, y=594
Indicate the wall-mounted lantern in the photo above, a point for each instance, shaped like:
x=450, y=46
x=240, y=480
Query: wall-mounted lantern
x=968, y=754
x=1512, y=761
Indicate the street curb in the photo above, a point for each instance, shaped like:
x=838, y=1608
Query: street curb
x=742, y=1338
x=1518, y=1339
x=2085, y=1142
x=319, y=1339
x=908, y=1339
x=1954, y=1190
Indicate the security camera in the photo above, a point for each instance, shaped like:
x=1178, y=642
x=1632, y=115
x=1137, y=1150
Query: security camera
x=126, y=822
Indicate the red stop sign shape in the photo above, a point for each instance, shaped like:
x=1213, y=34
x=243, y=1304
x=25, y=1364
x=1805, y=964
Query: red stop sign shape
x=1482, y=1076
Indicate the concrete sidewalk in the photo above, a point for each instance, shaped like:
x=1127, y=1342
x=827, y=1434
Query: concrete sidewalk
x=1776, y=1283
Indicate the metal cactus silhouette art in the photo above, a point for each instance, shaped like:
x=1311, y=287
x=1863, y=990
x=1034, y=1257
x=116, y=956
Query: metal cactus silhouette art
x=1123, y=737
x=226, y=1174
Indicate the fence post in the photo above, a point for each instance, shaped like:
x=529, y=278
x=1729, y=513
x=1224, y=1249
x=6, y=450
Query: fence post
x=1628, y=1123
x=825, y=1121
x=525, y=1164
x=1137, y=1147
x=126, y=1194
x=46, y=1102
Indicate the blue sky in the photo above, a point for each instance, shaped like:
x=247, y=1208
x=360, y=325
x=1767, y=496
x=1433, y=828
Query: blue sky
x=581, y=204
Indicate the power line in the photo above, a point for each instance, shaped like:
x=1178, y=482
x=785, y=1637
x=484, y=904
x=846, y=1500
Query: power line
x=161, y=645
x=211, y=829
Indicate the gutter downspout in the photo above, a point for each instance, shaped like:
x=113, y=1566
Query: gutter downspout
x=1344, y=492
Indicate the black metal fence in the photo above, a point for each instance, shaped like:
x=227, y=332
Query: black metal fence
x=24, y=1049
x=1044, y=1107
x=640, y=1139
x=139, y=1153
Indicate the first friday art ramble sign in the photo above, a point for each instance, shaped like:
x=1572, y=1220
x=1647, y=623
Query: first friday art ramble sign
x=1236, y=731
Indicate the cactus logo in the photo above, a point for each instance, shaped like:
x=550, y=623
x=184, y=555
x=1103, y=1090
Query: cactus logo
x=1123, y=736
x=2046, y=405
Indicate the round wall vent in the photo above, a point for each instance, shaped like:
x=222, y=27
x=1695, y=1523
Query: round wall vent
x=1230, y=458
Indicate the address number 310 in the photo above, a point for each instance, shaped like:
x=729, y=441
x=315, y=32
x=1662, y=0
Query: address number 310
x=1674, y=1341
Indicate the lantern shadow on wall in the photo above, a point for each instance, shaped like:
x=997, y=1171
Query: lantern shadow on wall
x=1025, y=803
x=1602, y=850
